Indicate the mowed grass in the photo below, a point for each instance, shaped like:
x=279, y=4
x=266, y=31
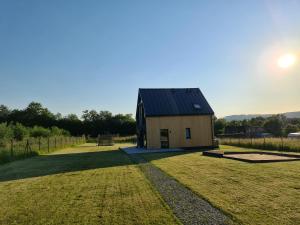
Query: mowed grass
x=251, y=193
x=83, y=185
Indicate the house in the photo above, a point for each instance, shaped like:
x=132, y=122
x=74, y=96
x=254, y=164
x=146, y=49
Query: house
x=295, y=135
x=174, y=118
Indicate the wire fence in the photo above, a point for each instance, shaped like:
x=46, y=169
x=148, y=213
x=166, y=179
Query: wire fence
x=278, y=144
x=115, y=139
x=11, y=149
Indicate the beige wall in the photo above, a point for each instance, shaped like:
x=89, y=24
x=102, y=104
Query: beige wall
x=201, y=130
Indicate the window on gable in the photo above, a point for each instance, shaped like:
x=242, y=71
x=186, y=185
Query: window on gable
x=188, y=133
x=197, y=106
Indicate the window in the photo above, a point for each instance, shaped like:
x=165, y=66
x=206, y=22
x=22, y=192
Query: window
x=164, y=134
x=197, y=106
x=188, y=133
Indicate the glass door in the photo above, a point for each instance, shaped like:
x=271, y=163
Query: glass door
x=164, y=138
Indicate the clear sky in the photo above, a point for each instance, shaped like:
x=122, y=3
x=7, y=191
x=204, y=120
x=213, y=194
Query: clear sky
x=76, y=55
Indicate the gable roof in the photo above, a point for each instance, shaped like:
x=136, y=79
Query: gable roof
x=174, y=101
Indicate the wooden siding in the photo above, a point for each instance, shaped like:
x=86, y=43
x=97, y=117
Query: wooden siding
x=200, y=125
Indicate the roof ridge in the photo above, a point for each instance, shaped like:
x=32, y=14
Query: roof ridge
x=167, y=88
x=173, y=101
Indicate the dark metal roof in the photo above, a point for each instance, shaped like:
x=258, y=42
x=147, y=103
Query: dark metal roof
x=174, y=101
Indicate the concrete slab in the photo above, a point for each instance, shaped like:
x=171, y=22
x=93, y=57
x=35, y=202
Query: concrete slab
x=135, y=150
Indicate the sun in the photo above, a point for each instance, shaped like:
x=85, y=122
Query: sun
x=287, y=60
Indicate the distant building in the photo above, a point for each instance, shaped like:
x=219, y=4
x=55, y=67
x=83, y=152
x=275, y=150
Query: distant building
x=294, y=135
x=174, y=118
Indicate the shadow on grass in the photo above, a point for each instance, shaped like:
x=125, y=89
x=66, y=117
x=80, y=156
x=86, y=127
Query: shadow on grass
x=156, y=156
x=62, y=163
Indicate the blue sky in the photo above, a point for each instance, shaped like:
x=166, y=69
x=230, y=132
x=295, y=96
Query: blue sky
x=77, y=55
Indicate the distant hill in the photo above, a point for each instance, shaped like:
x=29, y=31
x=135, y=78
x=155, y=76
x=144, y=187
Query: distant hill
x=250, y=116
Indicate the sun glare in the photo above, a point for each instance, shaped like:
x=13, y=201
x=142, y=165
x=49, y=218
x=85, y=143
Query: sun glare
x=286, y=61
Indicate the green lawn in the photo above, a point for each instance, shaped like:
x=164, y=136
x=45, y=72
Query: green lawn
x=83, y=185
x=252, y=193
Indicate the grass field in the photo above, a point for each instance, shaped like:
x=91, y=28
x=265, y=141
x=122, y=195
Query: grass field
x=83, y=185
x=251, y=193
x=277, y=144
x=11, y=150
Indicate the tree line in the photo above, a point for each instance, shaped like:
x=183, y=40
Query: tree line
x=19, y=132
x=277, y=125
x=91, y=122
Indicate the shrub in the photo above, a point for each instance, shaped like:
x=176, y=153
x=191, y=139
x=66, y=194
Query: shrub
x=55, y=131
x=37, y=131
x=19, y=131
x=5, y=133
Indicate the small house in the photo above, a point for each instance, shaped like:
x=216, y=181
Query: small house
x=295, y=135
x=174, y=118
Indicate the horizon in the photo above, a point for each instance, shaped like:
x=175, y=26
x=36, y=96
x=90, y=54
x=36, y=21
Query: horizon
x=79, y=115
x=244, y=57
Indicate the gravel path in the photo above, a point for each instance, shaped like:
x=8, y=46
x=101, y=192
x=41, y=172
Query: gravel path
x=189, y=208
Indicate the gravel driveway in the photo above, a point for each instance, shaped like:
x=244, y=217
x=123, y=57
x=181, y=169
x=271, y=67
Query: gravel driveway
x=189, y=208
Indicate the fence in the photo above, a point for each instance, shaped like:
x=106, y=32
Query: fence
x=115, y=139
x=11, y=149
x=127, y=139
x=105, y=140
x=278, y=144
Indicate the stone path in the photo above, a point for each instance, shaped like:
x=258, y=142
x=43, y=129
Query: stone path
x=189, y=208
x=135, y=150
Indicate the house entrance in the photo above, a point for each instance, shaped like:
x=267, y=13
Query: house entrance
x=164, y=138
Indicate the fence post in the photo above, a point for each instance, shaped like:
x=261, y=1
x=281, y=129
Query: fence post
x=48, y=144
x=12, y=147
x=28, y=147
x=281, y=143
x=39, y=143
x=264, y=142
x=55, y=142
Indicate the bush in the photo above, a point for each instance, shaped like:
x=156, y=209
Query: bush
x=19, y=132
x=55, y=131
x=37, y=131
x=5, y=131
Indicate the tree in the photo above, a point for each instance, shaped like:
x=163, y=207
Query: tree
x=219, y=126
x=257, y=121
x=5, y=131
x=90, y=115
x=55, y=131
x=92, y=123
x=274, y=125
x=19, y=131
x=290, y=128
x=4, y=113
x=58, y=116
x=105, y=115
x=72, y=117
x=37, y=131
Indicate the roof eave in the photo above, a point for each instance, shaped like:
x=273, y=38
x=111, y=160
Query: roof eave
x=166, y=115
